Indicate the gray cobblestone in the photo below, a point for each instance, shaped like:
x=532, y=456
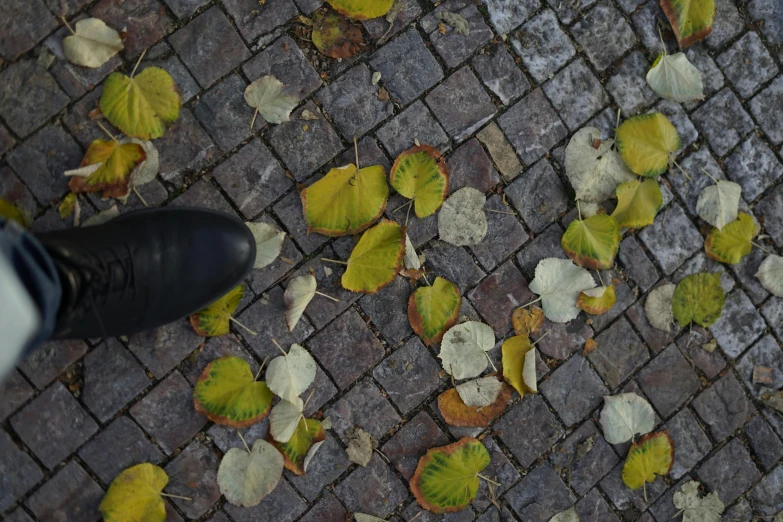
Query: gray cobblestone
x=576, y=94
x=543, y=46
x=723, y=406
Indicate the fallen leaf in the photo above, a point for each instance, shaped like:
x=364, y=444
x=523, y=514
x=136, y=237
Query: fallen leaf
x=590, y=346
x=246, y=478
x=772, y=398
x=134, y=495
x=519, y=364
x=66, y=208
x=102, y=217
x=638, y=203
x=143, y=106
x=228, y=393
x=270, y=98
x=527, y=320
x=698, y=298
x=652, y=455
x=770, y=274
x=462, y=220
x=360, y=446
x=558, y=283
x=480, y=392
x=362, y=9
x=691, y=21
x=115, y=161
x=420, y=174
x=335, y=36
x=12, y=213
x=308, y=433
x=624, y=416
x=673, y=77
x=658, y=307
x=284, y=419
x=375, y=259
x=695, y=508
x=312, y=451
x=594, y=172
x=434, y=309
x=463, y=349
x=447, y=478
x=455, y=20
x=147, y=170
x=288, y=376
x=457, y=413
x=361, y=517
x=570, y=515
x=345, y=201
x=92, y=43
x=298, y=294
x=762, y=375
x=647, y=143
x=718, y=204
x=593, y=242
x=597, y=301
x=213, y=321
x=269, y=243
x=710, y=346
x=733, y=242
x=412, y=261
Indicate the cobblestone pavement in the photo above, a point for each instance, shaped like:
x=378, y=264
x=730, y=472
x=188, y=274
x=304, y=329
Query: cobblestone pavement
x=501, y=103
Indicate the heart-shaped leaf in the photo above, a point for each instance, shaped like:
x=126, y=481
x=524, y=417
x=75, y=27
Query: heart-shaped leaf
x=647, y=143
x=134, y=495
x=245, y=478
x=597, y=301
x=92, y=43
x=285, y=418
x=463, y=352
x=558, y=283
x=673, y=77
x=691, y=19
x=733, y=242
x=592, y=243
x=447, y=478
x=652, y=455
x=289, y=375
x=298, y=294
x=306, y=434
x=362, y=9
x=434, y=309
x=270, y=98
x=228, y=393
x=696, y=508
x=214, y=320
x=112, y=162
x=462, y=220
x=519, y=364
x=593, y=166
x=698, y=298
x=637, y=203
x=420, y=174
x=658, y=307
x=269, y=243
x=770, y=273
x=376, y=258
x=335, y=36
x=718, y=204
x=456, y=413
x=624, y=416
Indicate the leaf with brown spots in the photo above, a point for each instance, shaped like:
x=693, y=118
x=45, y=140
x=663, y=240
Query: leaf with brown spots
x=527, y=321
x=335, y=36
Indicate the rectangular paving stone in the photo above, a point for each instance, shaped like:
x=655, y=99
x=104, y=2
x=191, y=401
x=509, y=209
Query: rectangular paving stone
x=543, y=46
x=712, y=76
x=499, y=72
x=364, y=406
x=628, y=86
x=328, y=509
x=690, y=440
x=347, y=333
x=18, y=515
x=770, y=209
x=576, y=94
x=647, y=18
x=506, y=15
x=747, y=64
x=384, y=310
x=672, y=241
x=745, y=271
x=636, y=264
x=409, y=375
x=18, y=472
x=125, y=442
x=185, y=147
x=326, y=466
x=501, y=151
x=732, y=456
x=163, y=348
x=453, y=263
x=619, y=354
x=50, y=360
x=15, y=391
x=411, y=442
x=766, y=446
x=767, y=496
x=193, y=473
x=289, y=139
x=538, y=195
x=729, y=26
x=574, y=389
x=461, y=104
x=540, y=495
x=69, y=495
x=545, y=244
x=564, y=339
x=739, y=325
x=628, y=501
x=754, y=166
x=209, y=46
x=668, y=380
x=496, y=297
x=585, y=457
x=452, y=46
x=500, y=469
x=290, y=211
x=145, y=22
x=528, y=445
x=766, y=108
x=710, y=364
x=281, y=505
x=532, y=126
x=591, y=33
x=378, y=28
x=24, y=24
x=284, y=60
x=693, y=163
x=112, y=378
x=505, y=235
x=254, y=19
x=421, y=514
x=225, y=114
x=723, y=406
x=625, y=297
x=167, y=413
x=469, y=166
x=414, y=123
x=765, y=353
x=593, y=508
x=773, y=313
x=373, y=490
x=723, y=121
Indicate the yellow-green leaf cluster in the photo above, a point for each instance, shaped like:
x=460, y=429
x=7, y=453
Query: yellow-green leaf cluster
x=732, y=242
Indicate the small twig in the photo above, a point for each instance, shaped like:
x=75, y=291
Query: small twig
x=500, y=212
x=334, y=261
x=143, y=201
x=328, y=297
x=280, y=348
x=248, y=330
x=104, y=129
x=243, y=442
x=67, y=25
x=760, y=247
x=384, y=457
x=539, y=339
x=416, y=516
x=479, y=475
x=682, y=170
x=169, y=495
x=138, y=62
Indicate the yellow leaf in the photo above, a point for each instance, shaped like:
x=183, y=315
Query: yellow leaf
x=67, y=206
x=592, y=243
x=213, y=321
x=597, y=301
x=647, y=143
x=134, y=496
x=362, y=9
x=117, y=161
x=519, y=358
x=345, y=201
x=652, y=455
x=12, y=213
x=691, y=19
x=141, y=107
x=420, y=174
x=528, y=320
x=733, y=242
x=434, y=309
x=637, y=203
x=376, y=258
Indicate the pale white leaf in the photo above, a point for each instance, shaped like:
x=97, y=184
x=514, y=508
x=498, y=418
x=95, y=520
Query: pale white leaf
x=455, y=20
x=558, y=282
x=463, y=349
x=311, y=453
x=147, y=170
x=83, y=171
x=770, y=273
x=675, y=78
x=589, y=209
x=327, y=423
x=298, y=294
x=658, y=307
x=569, y=515
x=529, y=376
x=624, y=416
x=361, y=517
x=695, y=508
x=479, y=392
x=360, y=446
x=596, y=292
x=246, y=478
x=102, y=217
x=594, y=172
x=288, y=376
x=269, y=243
x=461, y=220
x=283, y=419
x=376, y=77
x=93, y=44
x=719, y=204
x=273, y=101
x=412, y=261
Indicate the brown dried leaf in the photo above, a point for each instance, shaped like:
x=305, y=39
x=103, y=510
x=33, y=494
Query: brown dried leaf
x=456, y=413
x=528, y=321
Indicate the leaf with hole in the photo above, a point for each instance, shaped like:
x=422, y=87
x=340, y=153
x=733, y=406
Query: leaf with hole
x=463, y=351
x=718, y=204
x=698, y=298
x=593, y=242
x=462, y=220
x=289, y=375
x=593, y=166
x=269, y=243
x=434, y=309
x=770, y=274
x=92, y=43
x=447, y=478
x=647, y=143
x=270, y=98
x=597, y=301
x=695, y=508
x=376, y=258
x=143, y=106
x=652, y=455
x=658, y=308
x=519, y=364
x=335, y=36
x=624, y=416
x=284, y=419
x=345, y=201
x=362, y=9
x=115, y=162
x=456, y=413
x=246, y=478
x=638, y=203
x=733, y=242
x=135, y=495
x=673, y=77
x=228, y=393
x=295, y=451
x=691, y=19
x=214, y=320
x=558, y=283
x=420, y=174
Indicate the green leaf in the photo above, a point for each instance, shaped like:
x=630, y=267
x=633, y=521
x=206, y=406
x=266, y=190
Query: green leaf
x=647, y=143
x=446, y=479
x=420, y=174
x=114, y=162
x=698, y=298
x=213, y=321
x=652, y=455
x=141, y=107
x=335, y=36
x=637, y=203
x=227, y=393
x=362, y=9
x=307, y=433
x=376, y=258
x=733, y=242
x=434, y=309
x=519, y=364
x=593, y=242
x=344, y=201
x=691, y=19
x=134, y=495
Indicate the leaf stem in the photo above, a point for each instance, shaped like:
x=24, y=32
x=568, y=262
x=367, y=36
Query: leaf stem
x=532, y=302
x=251, y=332
x=138, y=62
x=479, y=475
x=682, y=170
x=334, y=261
x=618, y=122
x=328, y=297
x=280, y=348
x=260, y=368
x=579, y=210
x=490, y=361
x=760, y=247
x=500, y=212
x=67, y=25
x=356, y=149
x=598, y=273
x=253, y=121
x=384, y=457
x=660, y=35
x=308, y=399
x=104, y=129
x=143, y=201
x=539, y=339
x=401, y=206
x=709, y=175
x=244, y=442
x=169, y=495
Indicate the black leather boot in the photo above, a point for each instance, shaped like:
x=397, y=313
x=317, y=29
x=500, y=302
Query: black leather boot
x=146, y=268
